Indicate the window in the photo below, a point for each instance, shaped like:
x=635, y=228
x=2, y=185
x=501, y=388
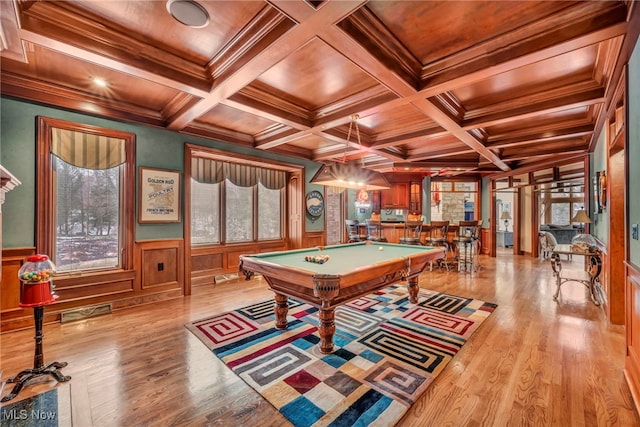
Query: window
x=238, y=213
x=84, y=173
x=559, y=203
x=269, y=220
x=205, y=205
x=248, y=200
x=454, y=201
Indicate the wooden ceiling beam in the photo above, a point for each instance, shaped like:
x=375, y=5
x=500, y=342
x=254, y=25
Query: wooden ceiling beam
x=440, y=163
x=449, y=124
x=579, y=132
x=370, y=64
x=114, y=64
x=532, y=156
x=532, y=110
x=280, y=49
x=442, y=153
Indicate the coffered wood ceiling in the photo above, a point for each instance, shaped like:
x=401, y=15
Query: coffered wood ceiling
x=440, y=87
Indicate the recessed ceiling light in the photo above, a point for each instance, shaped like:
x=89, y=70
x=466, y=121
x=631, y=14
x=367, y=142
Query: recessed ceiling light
x=188, y=12
x=100, y=82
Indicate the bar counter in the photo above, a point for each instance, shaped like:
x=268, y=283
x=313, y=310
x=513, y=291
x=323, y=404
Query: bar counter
x=394, y=230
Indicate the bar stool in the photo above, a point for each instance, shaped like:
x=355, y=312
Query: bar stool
x=468, y=243
x=412, y=233
x=353, y=231
x=438, y=237
x=374, y=231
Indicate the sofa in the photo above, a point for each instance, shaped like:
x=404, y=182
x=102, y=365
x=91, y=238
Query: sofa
x=562, y=233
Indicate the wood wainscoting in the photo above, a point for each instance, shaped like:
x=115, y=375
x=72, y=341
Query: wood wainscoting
x=632, y=361
x=316, y=238
x=207, y=262
x=485, y=239
x=157, y=275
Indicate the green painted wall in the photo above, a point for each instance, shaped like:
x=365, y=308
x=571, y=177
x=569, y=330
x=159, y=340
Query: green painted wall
x=485, y=200
x=599, y=221
x=155, y=147
x=633, y=126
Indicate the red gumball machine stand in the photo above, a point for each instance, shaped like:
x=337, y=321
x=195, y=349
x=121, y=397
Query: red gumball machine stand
x=36, y=291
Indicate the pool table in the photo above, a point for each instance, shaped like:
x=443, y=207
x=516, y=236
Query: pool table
x=352, y=270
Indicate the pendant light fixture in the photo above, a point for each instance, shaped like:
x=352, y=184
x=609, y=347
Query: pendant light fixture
x=349, y=175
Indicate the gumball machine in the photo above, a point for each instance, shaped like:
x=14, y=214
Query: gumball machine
x=36, y=291
x=36, y=277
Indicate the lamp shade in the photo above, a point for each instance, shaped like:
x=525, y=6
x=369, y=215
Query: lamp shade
x=582, y=217
x=505, y=215
x=346, y=175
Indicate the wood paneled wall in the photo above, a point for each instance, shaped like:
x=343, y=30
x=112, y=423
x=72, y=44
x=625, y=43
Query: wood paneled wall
x=485, y=239
x=632, y=362
x=158, y=275
x=207, y=262
x=316, y=238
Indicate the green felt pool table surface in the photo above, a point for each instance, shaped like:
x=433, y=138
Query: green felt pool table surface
x=342, y=258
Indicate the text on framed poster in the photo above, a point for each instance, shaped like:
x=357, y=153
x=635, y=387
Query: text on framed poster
x=159, y=195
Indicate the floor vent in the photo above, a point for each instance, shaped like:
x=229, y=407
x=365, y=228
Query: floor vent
x=224, y=278
x=84, y=312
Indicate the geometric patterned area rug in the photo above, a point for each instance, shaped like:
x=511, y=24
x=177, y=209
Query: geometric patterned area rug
x=47, y=409
x=387, y=351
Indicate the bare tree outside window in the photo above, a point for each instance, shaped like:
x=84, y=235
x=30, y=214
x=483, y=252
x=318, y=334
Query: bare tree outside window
x=249, y=209
x=205, y=213
x=86, y=204
x=270, y=213
x=239, y=213
x=87, y=217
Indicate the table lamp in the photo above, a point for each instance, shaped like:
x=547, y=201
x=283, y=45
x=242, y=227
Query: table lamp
x=506, y=215
x=582, y=218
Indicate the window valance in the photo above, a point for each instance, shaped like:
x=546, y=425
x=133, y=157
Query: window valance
x=86, y=150
x=210, y=171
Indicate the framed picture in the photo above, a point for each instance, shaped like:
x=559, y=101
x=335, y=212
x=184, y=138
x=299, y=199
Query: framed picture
x=159, y=195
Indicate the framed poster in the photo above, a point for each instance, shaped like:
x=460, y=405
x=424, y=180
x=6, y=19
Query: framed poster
x=158, y=195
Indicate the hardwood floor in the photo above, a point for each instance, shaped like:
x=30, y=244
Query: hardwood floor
x=533, y=362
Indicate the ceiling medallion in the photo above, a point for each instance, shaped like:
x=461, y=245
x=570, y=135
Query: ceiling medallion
x=189, y=13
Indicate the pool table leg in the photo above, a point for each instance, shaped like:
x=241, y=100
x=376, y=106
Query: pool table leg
x=326, y=329
x=281, y=308
x=413, y=289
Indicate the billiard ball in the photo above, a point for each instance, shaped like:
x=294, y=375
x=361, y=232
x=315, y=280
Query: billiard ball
x=381, y=248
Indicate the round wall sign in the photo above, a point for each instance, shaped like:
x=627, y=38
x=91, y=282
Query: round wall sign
x=315, y=203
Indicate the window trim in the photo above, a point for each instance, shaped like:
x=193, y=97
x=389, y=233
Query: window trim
x=45, y=208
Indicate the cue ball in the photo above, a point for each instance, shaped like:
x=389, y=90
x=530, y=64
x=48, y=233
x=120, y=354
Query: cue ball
x=381, y=248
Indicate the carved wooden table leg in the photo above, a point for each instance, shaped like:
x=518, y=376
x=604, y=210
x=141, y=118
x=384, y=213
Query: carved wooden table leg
x=281, y=308
x=413, y=289
x=327, y=328
x=326, y=287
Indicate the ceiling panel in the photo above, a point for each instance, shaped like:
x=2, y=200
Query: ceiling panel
x=493, y=85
